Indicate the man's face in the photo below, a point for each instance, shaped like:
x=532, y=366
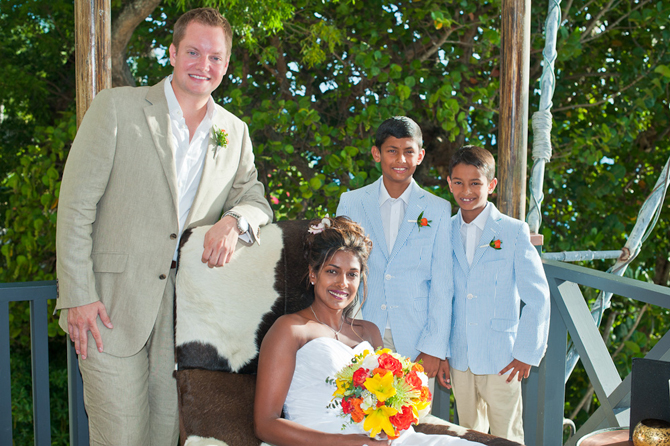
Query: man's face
x=200, y=61
x=398, y=158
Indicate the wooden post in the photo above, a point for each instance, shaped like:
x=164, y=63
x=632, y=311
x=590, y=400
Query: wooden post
x=513, y=134
x=93, y=43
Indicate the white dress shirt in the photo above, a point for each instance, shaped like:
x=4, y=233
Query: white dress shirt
x=471, y=233
x=392, y=211
x=189, y=153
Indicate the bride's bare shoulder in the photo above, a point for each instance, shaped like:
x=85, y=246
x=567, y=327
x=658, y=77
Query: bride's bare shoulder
x=288, y=326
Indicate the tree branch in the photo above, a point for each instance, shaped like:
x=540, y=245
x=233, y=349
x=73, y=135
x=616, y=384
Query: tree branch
x=587, y=38
x=618, y=93
x=132, y=14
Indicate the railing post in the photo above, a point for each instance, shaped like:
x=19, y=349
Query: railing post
x=5, y=378
x=547, y=415
x=39, y=353
x=75, y=400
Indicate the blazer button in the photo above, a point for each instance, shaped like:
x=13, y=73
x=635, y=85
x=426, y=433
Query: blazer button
x=162, y=276
x=384, y=307
x=470, y=296
x=173, y=236
x=388, y=277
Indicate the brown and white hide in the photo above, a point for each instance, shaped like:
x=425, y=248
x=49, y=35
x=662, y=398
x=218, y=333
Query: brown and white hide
x=223, y=313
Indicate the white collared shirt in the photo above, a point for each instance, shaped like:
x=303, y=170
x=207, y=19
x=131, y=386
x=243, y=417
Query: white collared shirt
x=471, y=233
x=392, y=211
x=189, y=155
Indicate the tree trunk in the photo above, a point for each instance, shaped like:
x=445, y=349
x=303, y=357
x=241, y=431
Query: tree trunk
x=132, y=14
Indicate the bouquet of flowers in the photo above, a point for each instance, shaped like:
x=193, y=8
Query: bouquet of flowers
x=381, y=391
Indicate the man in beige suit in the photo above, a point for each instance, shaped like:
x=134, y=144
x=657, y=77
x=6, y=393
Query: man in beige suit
x=145, y=165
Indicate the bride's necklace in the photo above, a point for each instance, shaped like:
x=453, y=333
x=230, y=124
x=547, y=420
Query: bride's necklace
x=336, y=333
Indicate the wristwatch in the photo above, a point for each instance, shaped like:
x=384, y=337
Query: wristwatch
x=242, y=224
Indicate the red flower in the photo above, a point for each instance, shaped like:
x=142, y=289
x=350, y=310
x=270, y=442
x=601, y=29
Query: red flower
x=413, y=380
x=347, y=407
x=388, y=362
x=404, y=419
x=360, y=376
x=422, y=222
x=496, y=244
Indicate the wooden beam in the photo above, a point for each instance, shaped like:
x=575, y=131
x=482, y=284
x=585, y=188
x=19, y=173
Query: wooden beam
x=93, y=43
x=513, y=135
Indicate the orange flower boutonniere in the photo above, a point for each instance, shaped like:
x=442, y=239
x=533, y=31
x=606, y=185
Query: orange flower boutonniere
x=220, y=137
x=422, y=222
x=496, y=244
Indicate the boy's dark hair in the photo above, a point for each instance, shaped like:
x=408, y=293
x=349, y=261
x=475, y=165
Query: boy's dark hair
x=204, y=16
x=481, y=158
x=398, y=127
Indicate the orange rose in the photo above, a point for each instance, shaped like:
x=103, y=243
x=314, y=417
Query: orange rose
x=357, y=413
x=390, y=363
x=413, y=380
x=425, y=394
x=403, y=420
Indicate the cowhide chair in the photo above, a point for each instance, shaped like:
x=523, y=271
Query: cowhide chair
x=221, y=316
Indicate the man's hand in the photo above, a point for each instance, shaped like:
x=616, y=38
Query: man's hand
x=516, y=366
x=220, y=242
x=81, y=320
x=443, y=374
x=430, y=364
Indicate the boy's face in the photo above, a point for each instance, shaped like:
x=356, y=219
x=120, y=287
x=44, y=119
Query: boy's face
x=471, y=189
x=398, y=158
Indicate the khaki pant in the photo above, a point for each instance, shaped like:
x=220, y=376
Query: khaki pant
x=484, y=401
x=133, y=400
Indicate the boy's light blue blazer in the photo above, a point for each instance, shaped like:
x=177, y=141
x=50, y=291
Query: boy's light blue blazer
x=412, y=284
x=487, y=332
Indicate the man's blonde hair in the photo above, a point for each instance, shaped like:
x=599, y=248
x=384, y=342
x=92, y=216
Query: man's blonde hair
x=204, y=16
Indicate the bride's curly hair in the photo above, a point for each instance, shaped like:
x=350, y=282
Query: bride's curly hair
x=342, y=234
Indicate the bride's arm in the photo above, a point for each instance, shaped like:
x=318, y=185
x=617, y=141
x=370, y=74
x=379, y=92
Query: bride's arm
x=276, y=365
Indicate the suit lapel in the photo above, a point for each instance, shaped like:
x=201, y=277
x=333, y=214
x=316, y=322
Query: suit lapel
x=457, y=242
x=490, y=233
x=210, y=165
x=371, y=208
x=158, y=120
x=414, y=208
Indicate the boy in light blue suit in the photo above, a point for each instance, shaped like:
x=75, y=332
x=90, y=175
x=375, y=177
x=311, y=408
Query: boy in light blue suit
x=409, y=282
x=495, y=268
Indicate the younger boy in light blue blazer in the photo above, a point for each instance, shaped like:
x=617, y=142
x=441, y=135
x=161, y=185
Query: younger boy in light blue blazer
x=493, y=342
x=409, y=290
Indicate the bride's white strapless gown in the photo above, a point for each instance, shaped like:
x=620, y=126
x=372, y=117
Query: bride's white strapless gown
x=309, y=394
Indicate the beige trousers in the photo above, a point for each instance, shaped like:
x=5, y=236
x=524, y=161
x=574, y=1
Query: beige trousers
x=484, y=401
x=133, y=400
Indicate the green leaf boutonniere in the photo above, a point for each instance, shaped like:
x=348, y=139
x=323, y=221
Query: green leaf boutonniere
x=496, y=244
x=220, y=137
x=421, y=221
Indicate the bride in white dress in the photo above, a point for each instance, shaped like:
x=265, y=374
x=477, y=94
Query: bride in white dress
x=301, y=350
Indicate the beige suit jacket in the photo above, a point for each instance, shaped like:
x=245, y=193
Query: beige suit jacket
x=117, y=215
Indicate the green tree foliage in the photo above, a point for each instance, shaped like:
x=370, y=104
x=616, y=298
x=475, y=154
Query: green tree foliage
x=314, y=78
